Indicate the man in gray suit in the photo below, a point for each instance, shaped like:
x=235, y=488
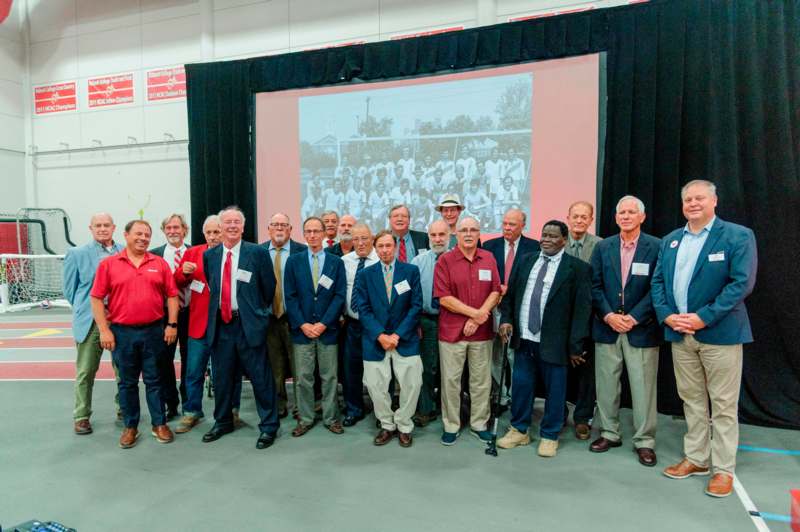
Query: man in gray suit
x=580, y=244
x=80, y=266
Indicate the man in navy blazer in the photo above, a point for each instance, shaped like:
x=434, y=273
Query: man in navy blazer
x=279, y=342
x=241, y=287
x=705, y=271
x=315, y=288
x=506, y=250
x=625, y=330
x=388, y=296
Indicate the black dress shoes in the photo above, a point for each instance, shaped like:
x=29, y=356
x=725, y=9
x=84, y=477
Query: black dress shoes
x=216, y=433
x=601, y=445
x=647, y=456
x=265, y=440
x=349, y=421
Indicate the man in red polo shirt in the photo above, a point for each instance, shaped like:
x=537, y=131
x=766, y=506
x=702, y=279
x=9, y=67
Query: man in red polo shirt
x=467, y=284
x=136, y=283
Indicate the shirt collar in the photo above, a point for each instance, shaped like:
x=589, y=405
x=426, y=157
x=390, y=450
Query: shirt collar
x=706, y=228
x=318, y=253
x=515, y=242
x=631, y=244
x=272, y=246
x=235, y=249
x=580, y=241
x=173, y=248
x=390, y=265
x=555, y=259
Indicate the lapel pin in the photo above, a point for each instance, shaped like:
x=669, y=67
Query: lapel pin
x=673, y=244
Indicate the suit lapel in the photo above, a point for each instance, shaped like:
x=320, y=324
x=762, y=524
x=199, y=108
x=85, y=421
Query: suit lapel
x=244, y=264
x=711, y=241
x=616, y=260
x=561, y=274
x=378, y=283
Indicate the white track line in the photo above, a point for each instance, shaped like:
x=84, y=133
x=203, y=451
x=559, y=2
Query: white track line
x=751, y=509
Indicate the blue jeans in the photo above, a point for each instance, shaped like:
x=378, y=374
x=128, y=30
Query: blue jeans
x=136, y=352
x=353, y=389
x=527, y=364
x=196, y=364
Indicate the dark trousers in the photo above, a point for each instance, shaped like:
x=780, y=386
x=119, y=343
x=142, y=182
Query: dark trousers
x=136, y=351
x=231, y=353
x=166, y=364
x=527, y=365
x=429, y=345
x=279, y=352
x=353, y=385
x=581, y=380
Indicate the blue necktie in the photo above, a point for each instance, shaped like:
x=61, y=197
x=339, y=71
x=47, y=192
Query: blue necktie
x=535, y=309
x=360, y=267
x=435, y=300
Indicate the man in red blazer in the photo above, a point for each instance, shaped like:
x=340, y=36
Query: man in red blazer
x=190, y=273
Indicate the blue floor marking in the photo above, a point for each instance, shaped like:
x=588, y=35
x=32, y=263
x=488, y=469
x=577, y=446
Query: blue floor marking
x=768, y=450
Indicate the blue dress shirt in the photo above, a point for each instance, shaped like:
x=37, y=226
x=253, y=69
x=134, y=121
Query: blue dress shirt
x=688, y=252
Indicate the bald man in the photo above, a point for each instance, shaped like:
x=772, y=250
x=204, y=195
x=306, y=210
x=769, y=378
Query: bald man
x=80, y=266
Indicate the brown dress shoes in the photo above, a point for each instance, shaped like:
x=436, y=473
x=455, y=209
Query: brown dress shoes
x=720, y=485
x=162, y=434
x=128, y=438
x=383, y=437
x=601, y=445
x=684, y=469
x=83, y=427
x=647, y=456
x=405, y=439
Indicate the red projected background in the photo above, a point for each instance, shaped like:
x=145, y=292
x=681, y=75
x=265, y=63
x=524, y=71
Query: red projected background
x=311, y=142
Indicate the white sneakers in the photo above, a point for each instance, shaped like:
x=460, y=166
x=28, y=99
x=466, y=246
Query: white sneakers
x=513, y=438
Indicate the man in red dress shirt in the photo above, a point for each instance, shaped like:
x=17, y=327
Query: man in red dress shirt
x=467, y=284
x=135, y=284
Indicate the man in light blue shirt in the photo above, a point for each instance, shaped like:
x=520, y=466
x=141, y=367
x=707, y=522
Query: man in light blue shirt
x=80, y=265
x=686, y=259
x=439, y=236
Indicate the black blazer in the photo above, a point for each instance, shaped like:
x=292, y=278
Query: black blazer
x=253, y=297
x=607, y=291
x=420, y=240
x=497, y=247
x=565, y=322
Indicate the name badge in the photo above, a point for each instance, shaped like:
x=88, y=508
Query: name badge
x=325, y=282
x=402, y=287
x=152, y=270
x=197, y=286
x=717, y=257
x=640, y=268
x=243, y=275
x=484, y=275
x=420, y=251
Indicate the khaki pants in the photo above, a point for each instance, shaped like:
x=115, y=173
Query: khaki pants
x=408, y=373
x=86, y=366
x=305, y=358
x=642, y=366
x=704, y=371
x=479, y=357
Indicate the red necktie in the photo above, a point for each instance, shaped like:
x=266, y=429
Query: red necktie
x=509, y=262
x=401, y=256
x=225, y=303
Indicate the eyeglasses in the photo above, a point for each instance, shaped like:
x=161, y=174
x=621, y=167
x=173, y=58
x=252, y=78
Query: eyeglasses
x=313, y=231
x=469, y=230
x=278, y=225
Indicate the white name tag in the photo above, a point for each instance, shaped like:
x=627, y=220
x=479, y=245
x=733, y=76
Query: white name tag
x=402, y=287
x=484, y=275
x=325, y=282
x=420, y=251
x=152, y=270
x=640, y=268
x=243, y=275
x=197, y=286
x=717, y=257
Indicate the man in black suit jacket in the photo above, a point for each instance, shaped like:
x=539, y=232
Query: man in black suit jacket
x=507, y=249
x=545, y=314
x=175, y=229
x=625, y=329
x=410, y=243
x=241, y=286
x=279, y=342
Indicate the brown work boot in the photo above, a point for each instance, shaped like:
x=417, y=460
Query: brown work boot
x=186, y=424
x=82, y=427
x=163, y=434
x=128, y=438
x=720, y=485
x=583, y=431
x=684, y=469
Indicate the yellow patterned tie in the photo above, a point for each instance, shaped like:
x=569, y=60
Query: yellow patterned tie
x=315, y=270
x=277, y=301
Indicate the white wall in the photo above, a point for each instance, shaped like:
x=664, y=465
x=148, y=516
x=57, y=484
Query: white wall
x=12, y=115
x=78, y=39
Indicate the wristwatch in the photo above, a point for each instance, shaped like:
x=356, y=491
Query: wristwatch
x=173, y=325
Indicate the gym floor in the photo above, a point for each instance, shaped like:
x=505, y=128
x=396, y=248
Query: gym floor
x=327, y=482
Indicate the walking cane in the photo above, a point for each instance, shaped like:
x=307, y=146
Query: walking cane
x=491, y=449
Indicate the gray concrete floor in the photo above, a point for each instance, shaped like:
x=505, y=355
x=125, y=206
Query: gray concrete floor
x=325, y=482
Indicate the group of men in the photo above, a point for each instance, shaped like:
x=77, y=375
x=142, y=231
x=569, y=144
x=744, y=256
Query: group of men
x=410, y=316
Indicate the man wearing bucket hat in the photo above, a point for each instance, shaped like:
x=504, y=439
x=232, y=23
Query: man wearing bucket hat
x=450, y=208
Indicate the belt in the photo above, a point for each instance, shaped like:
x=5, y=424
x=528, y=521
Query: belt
x=139, y=326
x=234, y=315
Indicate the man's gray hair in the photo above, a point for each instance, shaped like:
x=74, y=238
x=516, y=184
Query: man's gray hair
x=180, y=217
x=711, y=186
x=211, y=218
x=328, y=213
x=232, y=208
x=639, y=203
x=461, y=221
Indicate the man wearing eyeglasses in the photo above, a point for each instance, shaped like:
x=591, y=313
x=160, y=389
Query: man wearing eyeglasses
x=467, y=283
x=279, y=343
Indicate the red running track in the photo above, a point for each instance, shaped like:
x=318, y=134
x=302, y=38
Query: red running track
x=54, y=370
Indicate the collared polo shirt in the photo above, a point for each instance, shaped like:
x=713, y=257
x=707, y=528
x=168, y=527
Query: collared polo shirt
x=471, y=282
x=135, y=295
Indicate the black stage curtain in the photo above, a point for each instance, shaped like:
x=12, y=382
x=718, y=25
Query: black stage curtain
x=696, y=88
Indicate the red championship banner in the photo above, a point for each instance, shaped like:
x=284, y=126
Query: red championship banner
x=55, y=98
x=110, y=90
x=166, y=84
x=426, y=33
x=554, y=13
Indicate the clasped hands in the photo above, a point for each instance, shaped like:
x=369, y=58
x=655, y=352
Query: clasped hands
x=313, y=330
x=685, y=323
x=388, y=341
x=621, y=323
x=477, y=318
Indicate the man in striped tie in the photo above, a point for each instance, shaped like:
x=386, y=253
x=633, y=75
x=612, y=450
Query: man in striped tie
x=175, y=230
